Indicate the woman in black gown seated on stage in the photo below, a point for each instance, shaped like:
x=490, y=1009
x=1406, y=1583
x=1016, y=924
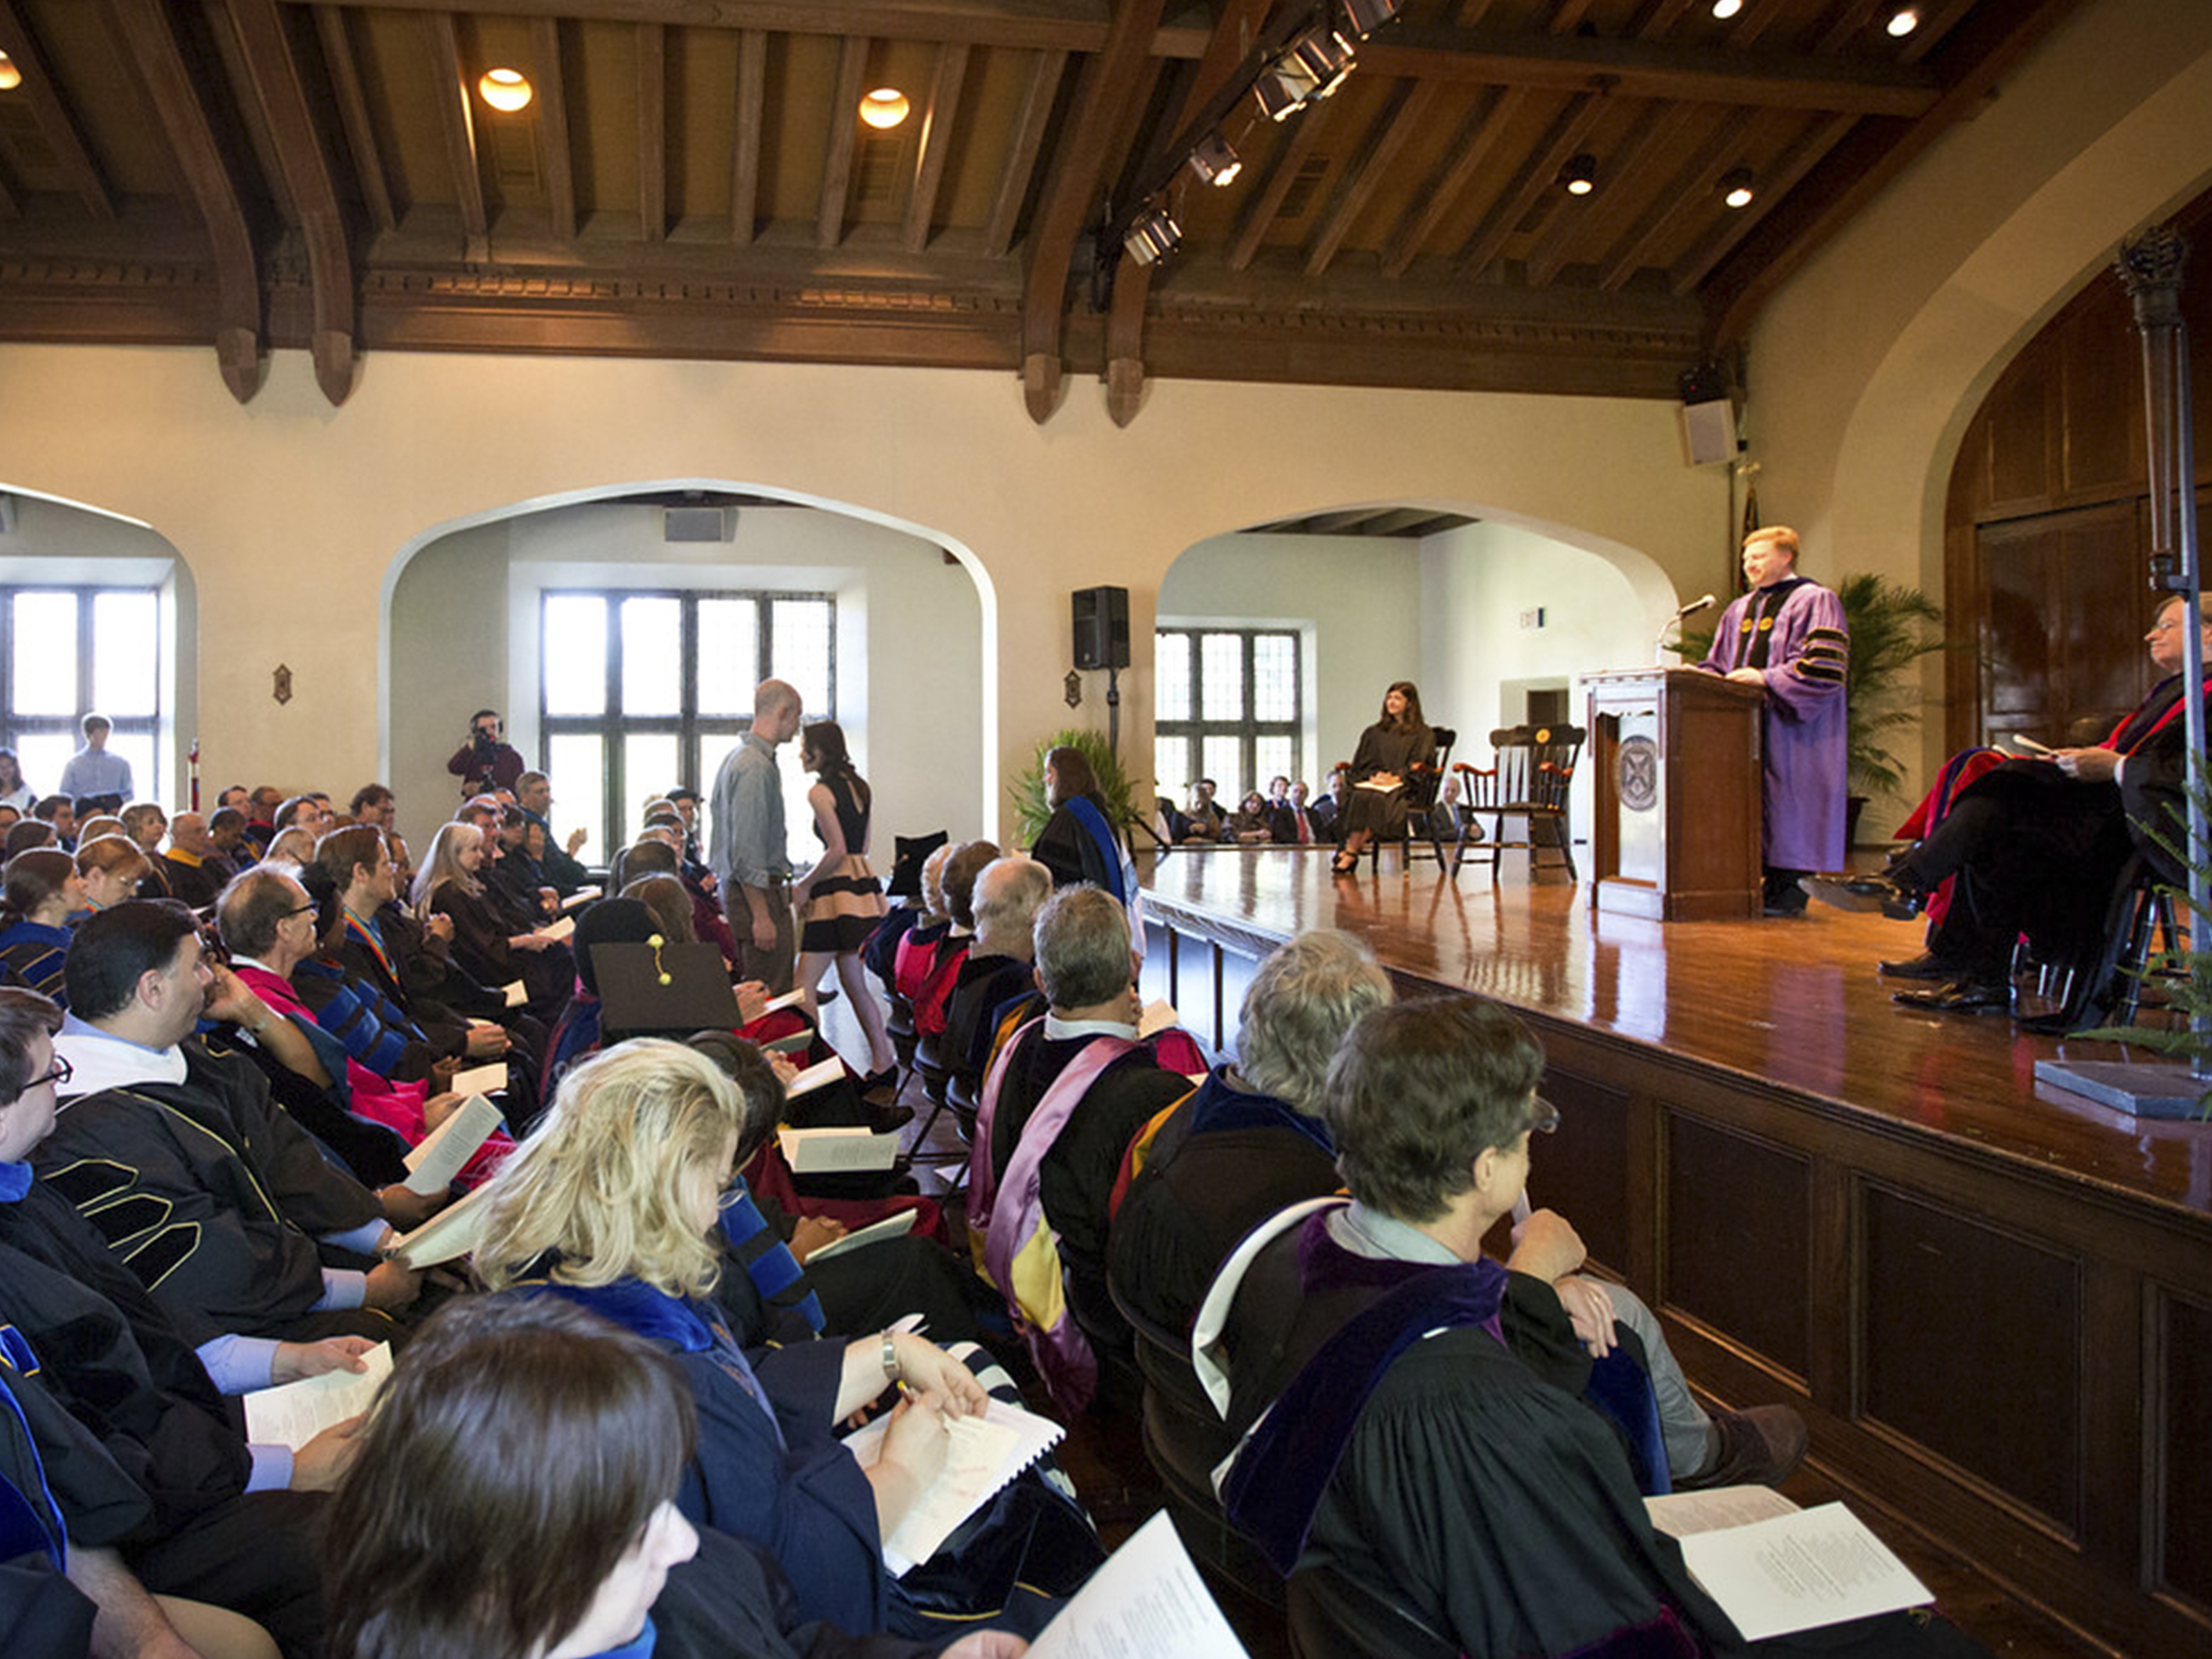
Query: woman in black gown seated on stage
x=1391, y=752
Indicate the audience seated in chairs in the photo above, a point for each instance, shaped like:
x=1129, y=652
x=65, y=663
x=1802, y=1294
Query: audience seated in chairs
x=142, y=1461
x=1299, y=821
x=957, y=879
x=494, y=946
x=917, y=948
x=249, y=1202
x=111, y=868
x=1008, y=893
x=1253, y=823
x=1062, y=1101
x=191, y=866
x=1412, y=1449
x=38, y=891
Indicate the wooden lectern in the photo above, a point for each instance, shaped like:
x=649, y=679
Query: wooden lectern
x=1676, y=756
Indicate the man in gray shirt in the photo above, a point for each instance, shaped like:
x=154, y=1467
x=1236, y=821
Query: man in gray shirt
x=92, y=770
x=745, y=847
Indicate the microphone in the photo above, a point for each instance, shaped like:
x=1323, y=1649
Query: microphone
x=1695, y=606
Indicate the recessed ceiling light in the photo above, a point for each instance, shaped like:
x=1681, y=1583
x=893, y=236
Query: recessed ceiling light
x=1725, y=9
x=10, y=76
x=1580, y=175
x=1736, y=187
x=884, y=108
x=1903, y=21
x=505, y=89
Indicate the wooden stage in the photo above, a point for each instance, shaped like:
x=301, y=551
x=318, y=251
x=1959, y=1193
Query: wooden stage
x=1993, y=1301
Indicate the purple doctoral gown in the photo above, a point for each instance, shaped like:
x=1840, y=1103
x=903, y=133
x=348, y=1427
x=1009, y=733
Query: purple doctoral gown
x=1807, y=753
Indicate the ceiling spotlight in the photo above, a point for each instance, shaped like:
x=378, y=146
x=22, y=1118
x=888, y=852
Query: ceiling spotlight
x=884, y=108
x=1725, y=9
x=505, y=89
x=1903, y=21
x=1580, y=175
x=1322, y=55
x=1213, y=161
x=1282, y=94
x=1363, y=17
x=1152, y=237
x=1736, y=187
x=10, y=76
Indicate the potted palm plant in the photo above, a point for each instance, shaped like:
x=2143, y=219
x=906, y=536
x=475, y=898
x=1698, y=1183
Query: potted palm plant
x=1027, y=790
x=1891, y=626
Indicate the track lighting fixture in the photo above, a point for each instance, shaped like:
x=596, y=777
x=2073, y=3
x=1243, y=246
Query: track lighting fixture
x=1214, y=161
x=1153, y=236
x=1363, y=17
x=1321, y=56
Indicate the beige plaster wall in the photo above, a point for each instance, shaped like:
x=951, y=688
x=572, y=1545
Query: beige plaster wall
x=295, y=518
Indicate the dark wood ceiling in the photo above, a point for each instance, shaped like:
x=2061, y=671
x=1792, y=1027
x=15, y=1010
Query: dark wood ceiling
x=691, y=180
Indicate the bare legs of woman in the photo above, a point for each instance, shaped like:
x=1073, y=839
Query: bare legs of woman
x=882, y=1057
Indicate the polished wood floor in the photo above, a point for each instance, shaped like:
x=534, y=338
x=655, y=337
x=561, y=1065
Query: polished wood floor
x=1797, y=1003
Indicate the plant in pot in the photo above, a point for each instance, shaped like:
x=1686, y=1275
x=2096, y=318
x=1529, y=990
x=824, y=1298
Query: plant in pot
x=1891, y=626
x=1027, y=790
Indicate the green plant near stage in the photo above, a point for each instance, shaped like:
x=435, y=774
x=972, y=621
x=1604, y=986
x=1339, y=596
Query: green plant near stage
x=1027, y=790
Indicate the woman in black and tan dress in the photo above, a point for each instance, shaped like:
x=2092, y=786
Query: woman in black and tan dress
x=839, y=901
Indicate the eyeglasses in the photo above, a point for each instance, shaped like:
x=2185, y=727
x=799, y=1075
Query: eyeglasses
x=61, y=1073
x=301, y=910
x=1547, y=1120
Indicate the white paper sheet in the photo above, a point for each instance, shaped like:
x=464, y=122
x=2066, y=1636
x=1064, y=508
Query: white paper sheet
x=293, y=1414
x=1819, y=1566
x=1148, y=1599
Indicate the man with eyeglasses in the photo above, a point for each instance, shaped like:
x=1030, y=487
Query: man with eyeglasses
x=154, y=1486
x=1438, y=1425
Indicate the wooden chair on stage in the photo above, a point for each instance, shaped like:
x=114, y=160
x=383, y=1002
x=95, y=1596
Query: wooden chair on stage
x=1424, y=791
x=1529, y=779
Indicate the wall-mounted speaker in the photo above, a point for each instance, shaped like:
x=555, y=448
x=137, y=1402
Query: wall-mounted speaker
x=1101, y=628
x=1708, y=431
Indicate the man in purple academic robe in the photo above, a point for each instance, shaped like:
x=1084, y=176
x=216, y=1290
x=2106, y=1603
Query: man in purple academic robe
x=1786, y=635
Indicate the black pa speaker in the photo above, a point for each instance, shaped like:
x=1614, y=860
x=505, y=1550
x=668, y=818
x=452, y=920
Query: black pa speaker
x=1101, y=628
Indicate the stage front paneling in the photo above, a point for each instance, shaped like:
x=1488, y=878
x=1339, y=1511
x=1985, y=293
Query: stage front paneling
x=1993, y=1305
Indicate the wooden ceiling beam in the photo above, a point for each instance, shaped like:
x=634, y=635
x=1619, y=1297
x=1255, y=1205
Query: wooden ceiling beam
x=147, y=33
x=1268, y=201
x=653, y=130
x=1699, y=171
x=1645, y=150
x=1408, y=111
x=556, y=162
x=745, y=134
x=1235, y=31
x=330, y=29
x=1650, y=68
x=1072, y=197
x=266, y=47
x=1659, y=17
x=844, y=139
x=1773, y=184
x=9, y=207
x=1046, y=69
x=1539, y=173
x=1979, y=52
x=59, y=130
x=936, y=125
x=457, y=125
x=1478, y=136
x=1035, y=25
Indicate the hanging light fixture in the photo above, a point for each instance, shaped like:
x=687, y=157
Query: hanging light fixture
x=1579, y=176
x=10, y=76
x=1154, y=236
x=1903, y=21
x=884, y=108
x=1725, y=9
x=506, y=90
x=1736, y=187
x=1322, y=55
x=1281, y=94
x=1214, y=161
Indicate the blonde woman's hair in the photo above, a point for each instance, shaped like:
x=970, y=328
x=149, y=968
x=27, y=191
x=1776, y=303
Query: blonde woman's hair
x=442, y=864
x=118, y=853
x=601, y=1183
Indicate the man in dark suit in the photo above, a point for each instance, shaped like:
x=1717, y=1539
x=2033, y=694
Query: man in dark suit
x=1299, y=825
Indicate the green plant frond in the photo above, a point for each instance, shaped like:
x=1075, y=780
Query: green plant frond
x=1891, y=626
x=1026, y=792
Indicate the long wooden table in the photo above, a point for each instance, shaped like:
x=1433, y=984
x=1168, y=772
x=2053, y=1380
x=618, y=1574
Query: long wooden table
x=1992, y=1300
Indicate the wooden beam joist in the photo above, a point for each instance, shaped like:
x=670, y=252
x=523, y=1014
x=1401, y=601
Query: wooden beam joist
x=147, y=30
x=1478, y=136
x=936, y=144
x=1699, y=172
x=1268, y=201
x=1644, y=151
x=1234, y=34
x=52, y=112
x=745, y=134
x=1072, y=198
x=1408, y=111
x=844, y=137
x=1979, y=52
x=265, y=48
x=456, y=124
x=338, y=61
x=556, y=163
x=653, y=130
x=1773, y=184
x=1045, y=69
x=1540, y=173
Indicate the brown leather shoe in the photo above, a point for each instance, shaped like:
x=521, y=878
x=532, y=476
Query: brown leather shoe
x=1762, y=1446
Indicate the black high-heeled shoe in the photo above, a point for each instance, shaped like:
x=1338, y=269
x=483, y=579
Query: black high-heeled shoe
x=1345, y=864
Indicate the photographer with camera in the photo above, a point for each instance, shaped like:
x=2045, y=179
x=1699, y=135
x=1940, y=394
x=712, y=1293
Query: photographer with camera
x=485, y=762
